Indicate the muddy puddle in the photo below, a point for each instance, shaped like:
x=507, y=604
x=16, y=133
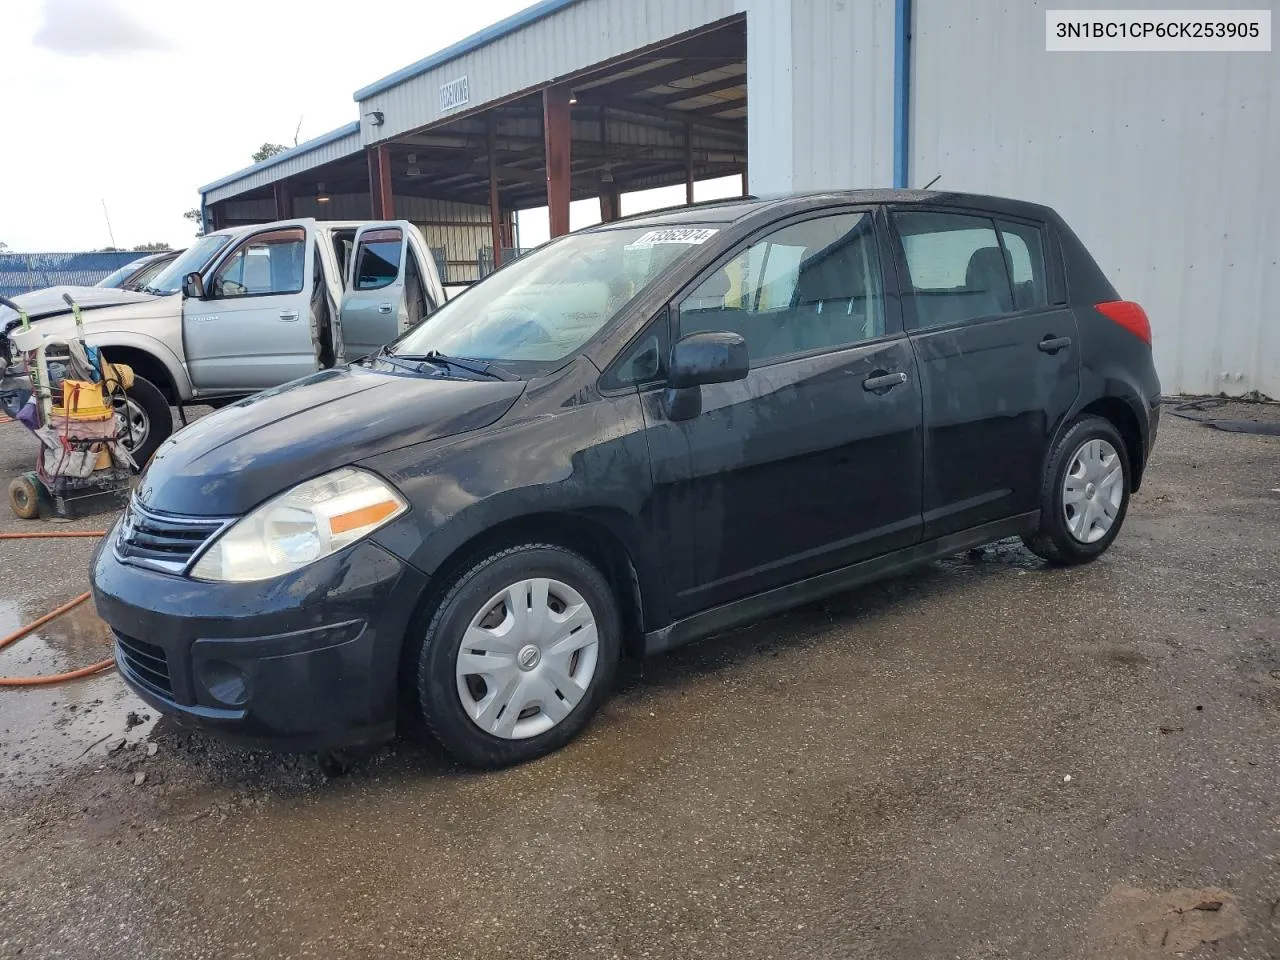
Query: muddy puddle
x=46, y=730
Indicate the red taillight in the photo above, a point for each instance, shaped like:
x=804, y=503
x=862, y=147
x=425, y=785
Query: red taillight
x=1129, y=315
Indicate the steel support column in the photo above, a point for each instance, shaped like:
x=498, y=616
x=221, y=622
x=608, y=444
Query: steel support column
x=495, y=208
x=610, y=202
x=381, y=201
x=558, y=133
x=283, y=192
x=688, y=163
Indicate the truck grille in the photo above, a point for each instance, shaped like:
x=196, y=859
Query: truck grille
x=162, y=542
x=147, y=664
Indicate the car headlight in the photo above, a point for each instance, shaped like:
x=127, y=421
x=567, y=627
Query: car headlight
x=309, y=522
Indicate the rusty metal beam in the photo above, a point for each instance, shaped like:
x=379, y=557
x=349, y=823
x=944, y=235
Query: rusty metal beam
x=558, y=133
x=495, y=211
x=381, y=198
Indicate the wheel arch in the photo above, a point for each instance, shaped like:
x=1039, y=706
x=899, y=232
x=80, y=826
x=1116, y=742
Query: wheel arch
x=148, y=363
x=586, y=532
x=1120, y=415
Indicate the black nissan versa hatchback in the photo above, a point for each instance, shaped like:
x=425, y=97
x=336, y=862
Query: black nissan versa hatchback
x=638, y=435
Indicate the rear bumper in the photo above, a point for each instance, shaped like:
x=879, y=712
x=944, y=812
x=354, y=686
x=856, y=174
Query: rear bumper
x=307, y=661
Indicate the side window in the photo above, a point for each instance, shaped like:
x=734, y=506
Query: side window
x=1025, y=245
x=956, y=269
x=808, y=286
x=266, y=263
x=378, y=258
x=642, y=361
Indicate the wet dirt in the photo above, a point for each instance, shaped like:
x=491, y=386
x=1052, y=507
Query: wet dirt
x=984, y=758
x=43, y=730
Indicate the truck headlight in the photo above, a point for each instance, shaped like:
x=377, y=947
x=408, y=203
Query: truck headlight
x=298, y=527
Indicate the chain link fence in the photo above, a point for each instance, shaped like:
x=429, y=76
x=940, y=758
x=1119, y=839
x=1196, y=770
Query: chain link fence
x=24, y=272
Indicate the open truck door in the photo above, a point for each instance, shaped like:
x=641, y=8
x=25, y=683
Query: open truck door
x=246, y=323
x=391, y=285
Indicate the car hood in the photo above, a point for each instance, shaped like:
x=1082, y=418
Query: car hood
x=225, y=464
x=48, y=302
x=110, y=319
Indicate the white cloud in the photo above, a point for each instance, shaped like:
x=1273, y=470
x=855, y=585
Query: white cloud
x=80, y=28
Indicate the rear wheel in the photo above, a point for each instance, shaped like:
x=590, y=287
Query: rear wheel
x=24, y=498
x=1085, y=494
x=517, y=655
x=143, y=419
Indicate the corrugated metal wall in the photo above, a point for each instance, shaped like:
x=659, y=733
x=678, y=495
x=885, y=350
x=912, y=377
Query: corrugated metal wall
x=579, y=36
x=460, y=230
x=1165, y=164
x=820, y=88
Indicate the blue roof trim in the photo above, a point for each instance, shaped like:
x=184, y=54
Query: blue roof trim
x=500, y=29
x=325, y=138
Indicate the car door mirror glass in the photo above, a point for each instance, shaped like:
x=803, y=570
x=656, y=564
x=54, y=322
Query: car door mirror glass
x=193, y=286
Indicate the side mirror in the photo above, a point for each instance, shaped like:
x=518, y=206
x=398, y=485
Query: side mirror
x=717, y=356
x=193, y=286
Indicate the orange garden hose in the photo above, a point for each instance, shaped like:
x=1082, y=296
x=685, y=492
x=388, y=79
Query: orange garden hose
x=41, y=621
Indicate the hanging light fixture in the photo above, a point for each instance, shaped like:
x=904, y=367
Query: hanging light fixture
x=321, y=196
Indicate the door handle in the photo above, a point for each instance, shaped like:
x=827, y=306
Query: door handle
x=1051, y=344
x=288, y=316
x=384, y=308
x=883, y=382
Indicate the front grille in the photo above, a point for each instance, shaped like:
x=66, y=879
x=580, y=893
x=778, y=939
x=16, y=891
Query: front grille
x=147, y=664
x=161, y=542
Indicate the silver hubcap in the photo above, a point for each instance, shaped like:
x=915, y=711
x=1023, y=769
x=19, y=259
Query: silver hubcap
x=1093, y=490
x=527, y=658
x=132, y=425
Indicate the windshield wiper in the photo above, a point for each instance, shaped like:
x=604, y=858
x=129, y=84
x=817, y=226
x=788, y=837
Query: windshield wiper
x=461, y=363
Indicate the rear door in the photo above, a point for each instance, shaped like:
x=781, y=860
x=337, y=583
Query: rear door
x=251, y=331
x=998, y=354
x=384, y=294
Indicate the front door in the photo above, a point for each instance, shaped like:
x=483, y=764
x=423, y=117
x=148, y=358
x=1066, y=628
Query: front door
x=999, y=360
x=813, y=461
x=253, y=328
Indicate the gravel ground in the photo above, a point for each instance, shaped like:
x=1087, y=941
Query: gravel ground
x=985, y=758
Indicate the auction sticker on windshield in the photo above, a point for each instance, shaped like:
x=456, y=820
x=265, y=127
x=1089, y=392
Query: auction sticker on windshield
x=685, y=235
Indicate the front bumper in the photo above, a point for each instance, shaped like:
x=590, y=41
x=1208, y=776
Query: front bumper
x=307, y=661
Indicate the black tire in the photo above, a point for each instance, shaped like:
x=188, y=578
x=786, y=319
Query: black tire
x=159, y=418
x=1053, y=540
x=437, y=648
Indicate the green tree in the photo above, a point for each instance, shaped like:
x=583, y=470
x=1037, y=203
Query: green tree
x=268, y=150
x=152, y=247
x=194, y=216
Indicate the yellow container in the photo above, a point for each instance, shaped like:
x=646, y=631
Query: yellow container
x=82, y=400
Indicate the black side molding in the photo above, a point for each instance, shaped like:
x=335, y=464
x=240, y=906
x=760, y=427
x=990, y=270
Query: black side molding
x=761, y=605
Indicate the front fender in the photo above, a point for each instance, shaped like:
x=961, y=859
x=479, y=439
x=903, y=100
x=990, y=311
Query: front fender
x=158, y=349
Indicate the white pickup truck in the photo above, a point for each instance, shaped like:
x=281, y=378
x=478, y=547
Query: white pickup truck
x=252, y=307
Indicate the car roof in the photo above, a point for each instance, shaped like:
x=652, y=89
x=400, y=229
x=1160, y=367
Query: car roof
x=742, y=208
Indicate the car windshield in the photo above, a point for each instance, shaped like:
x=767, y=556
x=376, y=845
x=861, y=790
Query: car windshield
x=195, y=259
x=548, y=304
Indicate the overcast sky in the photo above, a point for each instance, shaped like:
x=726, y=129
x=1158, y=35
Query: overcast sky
x=139, y=102
x=136, y=103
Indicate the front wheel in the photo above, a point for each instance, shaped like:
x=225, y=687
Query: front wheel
x=517, y=655
x=1085, y=494
x=143, y=419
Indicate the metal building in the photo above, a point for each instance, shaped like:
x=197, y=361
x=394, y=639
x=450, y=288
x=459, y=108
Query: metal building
x=1162, y=162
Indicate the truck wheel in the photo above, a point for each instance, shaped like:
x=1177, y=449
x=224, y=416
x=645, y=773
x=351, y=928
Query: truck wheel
x=143, y=419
